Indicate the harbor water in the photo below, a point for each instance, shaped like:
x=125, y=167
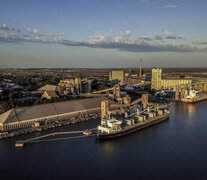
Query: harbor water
x=173, y=149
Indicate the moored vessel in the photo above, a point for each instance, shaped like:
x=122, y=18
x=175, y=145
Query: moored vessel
x=192, y=96
x=112, y=127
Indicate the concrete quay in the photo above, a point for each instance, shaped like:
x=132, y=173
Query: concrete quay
x=52, y=124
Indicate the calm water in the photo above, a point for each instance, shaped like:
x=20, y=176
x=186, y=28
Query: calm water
x=174, y=149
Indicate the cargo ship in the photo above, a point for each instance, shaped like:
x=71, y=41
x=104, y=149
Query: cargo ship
x=112, y=127
x=192, y=96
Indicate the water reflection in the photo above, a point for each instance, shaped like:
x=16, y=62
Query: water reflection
x=190, y=109
x=107, y=148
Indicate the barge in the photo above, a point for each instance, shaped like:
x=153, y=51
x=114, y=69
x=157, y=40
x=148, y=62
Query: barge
x=112, y=128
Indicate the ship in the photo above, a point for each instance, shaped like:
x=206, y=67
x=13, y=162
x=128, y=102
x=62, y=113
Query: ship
x=112, y=127
x=192, y=96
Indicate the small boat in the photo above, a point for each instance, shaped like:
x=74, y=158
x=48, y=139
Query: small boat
x=19, y=144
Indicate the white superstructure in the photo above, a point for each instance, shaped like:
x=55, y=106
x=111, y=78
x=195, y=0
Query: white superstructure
x=112, y=125
x=190, y=94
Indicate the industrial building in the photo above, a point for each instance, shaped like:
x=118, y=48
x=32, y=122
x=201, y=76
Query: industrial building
x=25, y=117
x=117, y=75
x=75, y=86
x=48, y=87
x=50, y=95
x=127, y=78
x=158, y=82
x=48, y=91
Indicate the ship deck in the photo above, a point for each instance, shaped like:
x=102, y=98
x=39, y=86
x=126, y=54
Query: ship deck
x=149, y=120
x=126, y=128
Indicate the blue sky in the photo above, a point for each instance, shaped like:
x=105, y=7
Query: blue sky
x=103, y=33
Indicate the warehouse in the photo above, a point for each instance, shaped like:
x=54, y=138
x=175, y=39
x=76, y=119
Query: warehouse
x=25, y=117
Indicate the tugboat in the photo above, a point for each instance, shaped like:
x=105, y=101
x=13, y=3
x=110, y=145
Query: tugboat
x=111, y=127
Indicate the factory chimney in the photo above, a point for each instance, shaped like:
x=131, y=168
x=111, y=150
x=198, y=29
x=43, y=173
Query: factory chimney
x=140, y=68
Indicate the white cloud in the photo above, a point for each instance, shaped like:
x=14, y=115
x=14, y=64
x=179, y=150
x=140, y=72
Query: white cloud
x=118, y=39
x=123, y=42
x=145, y=38
x=61, y=35
x=124, y=37
x=3, y=35
x=199, y=41
x=14, y=35
x=4, y=27
x=144, y=1
x=133, y=45
x=141, y=44
x=100, y=39
x=46, y=39
x=128, y=32
x=35, y=31
x=52, y=35
x=170, y=6
x=159, y=37
x=29, y=30
x=37, y=38
x=170, y=35
x=26, y=38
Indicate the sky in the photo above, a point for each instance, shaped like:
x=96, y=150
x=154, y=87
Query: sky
x=103, y=33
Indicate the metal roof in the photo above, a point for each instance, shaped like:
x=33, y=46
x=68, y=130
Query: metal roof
x=48, y=87
x=44, y=110
x=51, y=93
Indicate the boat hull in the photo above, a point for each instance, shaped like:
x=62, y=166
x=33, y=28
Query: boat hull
x=203, y=97
x=131, y=130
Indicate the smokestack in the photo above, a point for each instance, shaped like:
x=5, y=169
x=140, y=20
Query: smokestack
x=140, y=67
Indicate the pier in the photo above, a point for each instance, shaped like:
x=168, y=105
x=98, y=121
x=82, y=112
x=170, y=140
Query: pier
x=85, y=133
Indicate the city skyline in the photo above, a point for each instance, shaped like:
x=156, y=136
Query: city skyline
x=103, y=34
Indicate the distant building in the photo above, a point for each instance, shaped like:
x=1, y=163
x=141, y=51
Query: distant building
x=48, y=87
x=117, y=75
x=48, y=91
x=50, y=94
x=75, y=86
x=125, y=78
x=158, y=82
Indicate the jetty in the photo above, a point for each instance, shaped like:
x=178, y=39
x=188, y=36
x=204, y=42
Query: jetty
x=84, y=133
